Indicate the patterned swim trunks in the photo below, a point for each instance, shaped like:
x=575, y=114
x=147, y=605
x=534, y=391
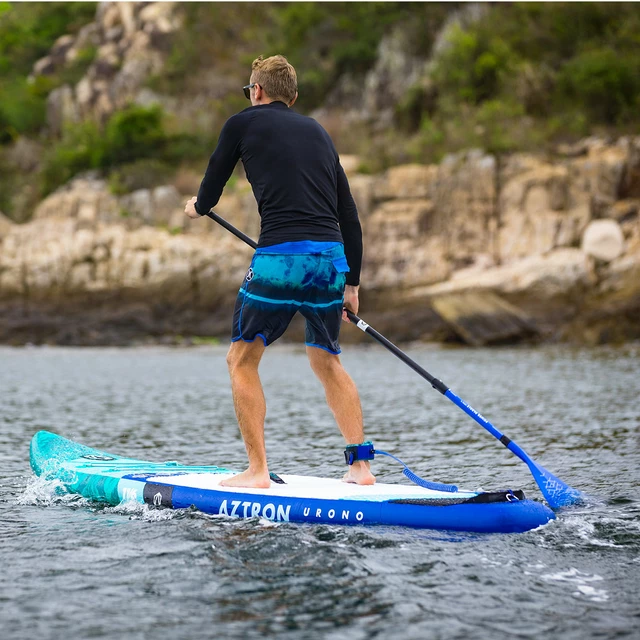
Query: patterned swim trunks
x=283, y=279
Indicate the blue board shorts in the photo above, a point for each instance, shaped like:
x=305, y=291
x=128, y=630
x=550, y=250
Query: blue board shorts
x=305, y=276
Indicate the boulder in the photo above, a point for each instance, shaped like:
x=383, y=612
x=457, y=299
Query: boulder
x=88, y=36
x=600, y=173
x=139, y=204
x=168, y=206
x=465, y=212
x=44, y=66
x=60, y=48
x=350, y=164
x=401, y=250
x=362, y=189
x=542, y=277
x=160, y=16
x=483, y=318
x=603, y=240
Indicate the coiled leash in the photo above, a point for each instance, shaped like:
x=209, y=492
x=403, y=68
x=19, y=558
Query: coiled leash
x=365, y=451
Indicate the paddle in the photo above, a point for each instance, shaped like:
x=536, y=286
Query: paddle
x=557, y=493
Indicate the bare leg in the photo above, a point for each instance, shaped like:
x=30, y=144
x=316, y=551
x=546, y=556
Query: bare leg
x=248, y=399
x=344, y=402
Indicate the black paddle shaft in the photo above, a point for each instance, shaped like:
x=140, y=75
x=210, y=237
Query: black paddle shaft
x=229, y=227
x=438, y=385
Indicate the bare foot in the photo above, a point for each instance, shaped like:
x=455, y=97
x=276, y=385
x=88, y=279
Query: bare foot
x=359, y=473
x=248, y=479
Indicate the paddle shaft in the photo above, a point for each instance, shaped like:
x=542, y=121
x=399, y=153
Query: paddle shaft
x=557, y=492
x=435, y=383
x=229, y=227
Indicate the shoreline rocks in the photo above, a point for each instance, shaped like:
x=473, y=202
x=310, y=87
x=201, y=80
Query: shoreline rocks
x=558, y=240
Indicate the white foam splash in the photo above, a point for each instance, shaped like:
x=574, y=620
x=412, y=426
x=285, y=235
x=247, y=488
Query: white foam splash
x=263, y=522
x=587, y=531
x=43, y=493
x=139, y=511
x=581, y=581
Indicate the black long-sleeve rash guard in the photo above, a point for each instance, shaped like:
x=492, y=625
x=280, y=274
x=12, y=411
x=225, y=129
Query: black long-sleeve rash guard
x=296, y=177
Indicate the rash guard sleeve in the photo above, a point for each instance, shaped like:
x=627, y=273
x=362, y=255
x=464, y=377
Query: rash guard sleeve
x=349, y=227
x=221, y=166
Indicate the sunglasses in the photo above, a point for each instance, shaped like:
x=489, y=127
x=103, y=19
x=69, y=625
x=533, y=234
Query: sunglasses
x=247, y=88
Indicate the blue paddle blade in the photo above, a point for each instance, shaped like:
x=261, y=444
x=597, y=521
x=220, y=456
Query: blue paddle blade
x=557, y=493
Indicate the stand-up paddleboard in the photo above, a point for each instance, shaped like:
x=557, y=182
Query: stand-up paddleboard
x=113, y=479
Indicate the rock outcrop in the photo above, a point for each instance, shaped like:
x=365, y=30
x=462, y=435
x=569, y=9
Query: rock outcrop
x=130, y=41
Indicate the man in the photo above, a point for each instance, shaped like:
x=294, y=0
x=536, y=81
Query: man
x=308, y=257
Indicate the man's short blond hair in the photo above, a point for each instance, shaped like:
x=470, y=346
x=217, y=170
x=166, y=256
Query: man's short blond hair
x=276, y=76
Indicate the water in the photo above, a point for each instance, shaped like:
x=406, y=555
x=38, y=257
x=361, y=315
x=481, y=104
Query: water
x=75, y=569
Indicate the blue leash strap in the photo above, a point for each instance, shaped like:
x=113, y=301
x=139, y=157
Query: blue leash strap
x=435, y=486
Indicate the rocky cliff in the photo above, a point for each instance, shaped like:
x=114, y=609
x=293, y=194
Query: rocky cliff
x=558, y=238
x=520, y=245
x=130, y=41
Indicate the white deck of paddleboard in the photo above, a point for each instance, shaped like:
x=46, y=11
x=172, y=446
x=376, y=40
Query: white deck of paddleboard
x=309, y=487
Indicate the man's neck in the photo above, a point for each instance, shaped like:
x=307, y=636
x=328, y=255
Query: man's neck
x=263, y=102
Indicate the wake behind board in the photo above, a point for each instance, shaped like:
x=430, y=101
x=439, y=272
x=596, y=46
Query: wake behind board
x=113, y=479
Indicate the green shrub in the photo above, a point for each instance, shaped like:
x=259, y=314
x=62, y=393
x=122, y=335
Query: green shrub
x=603, y=83
x=416, y=103
x=500, y=127
x=133, y=146
x=428, y=145
x=474, y=66
x=551, y=32
x=22, y=109
x=135, y=132
x=141, y=174
x=28, y=30
x=325, y=40
x=81, y=148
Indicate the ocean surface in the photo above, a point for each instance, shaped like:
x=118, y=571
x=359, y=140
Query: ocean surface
x=74, y=569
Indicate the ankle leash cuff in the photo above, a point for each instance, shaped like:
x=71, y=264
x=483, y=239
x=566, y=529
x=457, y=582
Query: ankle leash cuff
x=356, y=452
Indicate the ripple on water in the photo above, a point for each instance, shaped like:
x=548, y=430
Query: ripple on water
x=76, y=569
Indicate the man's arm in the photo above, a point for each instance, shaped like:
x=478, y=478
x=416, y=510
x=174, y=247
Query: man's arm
x=352, y=237
x=221, y=166
x=350, y=228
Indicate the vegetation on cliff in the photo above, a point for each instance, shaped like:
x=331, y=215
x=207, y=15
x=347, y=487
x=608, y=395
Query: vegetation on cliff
x=512, y=76
x=27, y=32
x=529, y=73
